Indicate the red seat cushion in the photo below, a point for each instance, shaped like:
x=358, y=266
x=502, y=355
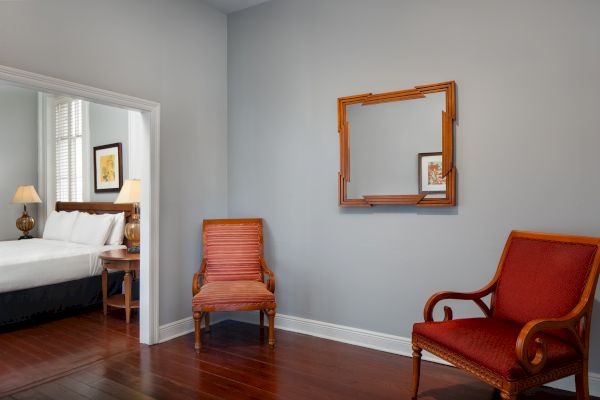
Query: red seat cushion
x=542, y=279
x=232, y=296
x=491, y=342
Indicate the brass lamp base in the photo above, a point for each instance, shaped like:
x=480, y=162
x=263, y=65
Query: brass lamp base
x=132, y=233
x=25, y=223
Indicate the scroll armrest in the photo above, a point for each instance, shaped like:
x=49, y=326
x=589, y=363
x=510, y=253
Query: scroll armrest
x=197, y=276
x=475, y=296
x=532, y=328
x=265, y=269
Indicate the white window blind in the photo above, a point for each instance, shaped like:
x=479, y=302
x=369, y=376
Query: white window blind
x=69, y=149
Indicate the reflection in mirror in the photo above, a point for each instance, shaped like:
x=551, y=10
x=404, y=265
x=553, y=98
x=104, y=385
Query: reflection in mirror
x=386, y=139
x=397, y=147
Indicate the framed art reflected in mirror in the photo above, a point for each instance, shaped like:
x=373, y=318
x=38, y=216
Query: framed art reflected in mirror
x=431, y=178
x=381, y=135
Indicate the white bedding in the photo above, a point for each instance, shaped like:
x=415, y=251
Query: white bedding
x=37, y=262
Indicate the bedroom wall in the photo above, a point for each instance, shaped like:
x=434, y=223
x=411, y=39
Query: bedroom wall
x=526, y=144
x=108, y=125
x=18, y=153
x=173, y=52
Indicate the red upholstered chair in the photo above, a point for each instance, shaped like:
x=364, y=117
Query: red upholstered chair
x=232, y=272
x=537, y=326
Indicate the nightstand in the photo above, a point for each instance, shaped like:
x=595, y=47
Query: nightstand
x=129, y=263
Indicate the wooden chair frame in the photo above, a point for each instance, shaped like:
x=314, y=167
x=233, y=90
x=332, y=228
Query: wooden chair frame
x=576, y=322
x=199, y=279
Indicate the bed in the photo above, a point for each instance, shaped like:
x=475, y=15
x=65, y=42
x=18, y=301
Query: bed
x=39, y=277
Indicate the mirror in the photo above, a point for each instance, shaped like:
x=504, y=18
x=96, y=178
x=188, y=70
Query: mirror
x=396, y=147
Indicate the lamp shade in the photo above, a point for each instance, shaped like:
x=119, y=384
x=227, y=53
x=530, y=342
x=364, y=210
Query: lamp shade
x=25, y=195
x=130, y=192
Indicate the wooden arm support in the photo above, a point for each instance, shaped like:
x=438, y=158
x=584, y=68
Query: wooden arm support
x=265, y=269
x=197, y=276
x=474, y=296
x=532, y=328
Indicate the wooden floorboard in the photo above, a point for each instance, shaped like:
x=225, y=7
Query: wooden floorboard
x=89, y=356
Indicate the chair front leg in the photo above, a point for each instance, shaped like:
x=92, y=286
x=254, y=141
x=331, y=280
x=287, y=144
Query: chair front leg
x=271, y=314
x=197, y=331
x=262, y=320
x=582, y=385
x=416, y=370
x=207, y=321
x=508, y=396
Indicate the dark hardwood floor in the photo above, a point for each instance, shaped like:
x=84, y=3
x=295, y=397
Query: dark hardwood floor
x=90, y=357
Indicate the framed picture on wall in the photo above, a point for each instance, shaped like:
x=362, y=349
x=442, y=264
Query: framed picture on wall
x=430, y=173
x=108, y=168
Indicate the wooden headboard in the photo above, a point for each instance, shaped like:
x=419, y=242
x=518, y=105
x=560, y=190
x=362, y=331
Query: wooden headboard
x=97, y=208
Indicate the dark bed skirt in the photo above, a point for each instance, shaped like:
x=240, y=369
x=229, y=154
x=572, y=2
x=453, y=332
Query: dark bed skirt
x=27, y=304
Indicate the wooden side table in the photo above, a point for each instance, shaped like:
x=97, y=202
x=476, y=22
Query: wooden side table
x=119, y=260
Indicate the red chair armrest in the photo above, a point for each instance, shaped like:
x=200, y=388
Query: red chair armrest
x=474, y=296
x=569, y=323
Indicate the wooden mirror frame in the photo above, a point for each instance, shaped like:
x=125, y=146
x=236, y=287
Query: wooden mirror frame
x=448, y=168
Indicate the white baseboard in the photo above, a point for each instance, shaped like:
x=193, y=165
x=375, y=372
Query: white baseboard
x=569, y=384
x=345, y=334
x=182, y=327
x=380, y=341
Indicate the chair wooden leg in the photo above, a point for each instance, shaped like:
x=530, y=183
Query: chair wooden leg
x=508, y=396
x=262, y=319
x=582, y=385
x=207, y=322
x=416, y=370
x=197, y=331
x=271, y=314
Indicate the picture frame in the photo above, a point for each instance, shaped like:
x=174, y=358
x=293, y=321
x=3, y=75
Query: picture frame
x=108, y=168
x=431, y=180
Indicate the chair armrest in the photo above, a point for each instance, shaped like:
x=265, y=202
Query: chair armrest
x=532, y=328
x=265, y=269
x=197, y=276
x=474, y=296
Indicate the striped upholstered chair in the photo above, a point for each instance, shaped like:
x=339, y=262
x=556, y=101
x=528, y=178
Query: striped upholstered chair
x=232, y=273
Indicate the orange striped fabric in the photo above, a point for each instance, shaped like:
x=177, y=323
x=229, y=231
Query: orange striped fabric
x=232, y=252
x=233, y=295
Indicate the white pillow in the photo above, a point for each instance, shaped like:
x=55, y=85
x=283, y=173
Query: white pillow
x=92, y=229
x=59, y=225
x=118, y=229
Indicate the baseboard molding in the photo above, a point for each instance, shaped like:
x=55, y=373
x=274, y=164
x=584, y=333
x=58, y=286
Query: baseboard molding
x=379, y=341
x=182, y=327
x=569, y=384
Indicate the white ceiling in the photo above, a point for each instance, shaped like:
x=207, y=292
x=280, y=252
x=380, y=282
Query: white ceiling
x=229, y=6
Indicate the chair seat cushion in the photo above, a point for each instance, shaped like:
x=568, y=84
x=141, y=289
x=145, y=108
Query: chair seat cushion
x=491, y=342
x=232, y=296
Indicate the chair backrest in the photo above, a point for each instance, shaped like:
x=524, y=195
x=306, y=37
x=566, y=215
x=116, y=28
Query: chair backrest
x=232, y=248
x=544, y=275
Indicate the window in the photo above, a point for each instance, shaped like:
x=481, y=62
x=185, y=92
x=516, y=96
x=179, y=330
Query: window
x=69, y=130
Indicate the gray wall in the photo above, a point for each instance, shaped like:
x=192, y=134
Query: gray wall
x=527, y=141
x=173, y=52
x=107, y=125
x=18, y=153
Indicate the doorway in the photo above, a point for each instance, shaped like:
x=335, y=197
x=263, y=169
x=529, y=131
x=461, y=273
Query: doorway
x=144, y=149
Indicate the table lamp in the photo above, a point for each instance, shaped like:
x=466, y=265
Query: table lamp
x=25, y=195
x=130, y=194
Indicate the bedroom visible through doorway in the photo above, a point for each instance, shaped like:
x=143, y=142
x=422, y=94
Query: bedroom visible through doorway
x=87, y=122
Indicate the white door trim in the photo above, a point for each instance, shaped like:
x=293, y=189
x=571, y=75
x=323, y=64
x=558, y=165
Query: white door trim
x=150, y=156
